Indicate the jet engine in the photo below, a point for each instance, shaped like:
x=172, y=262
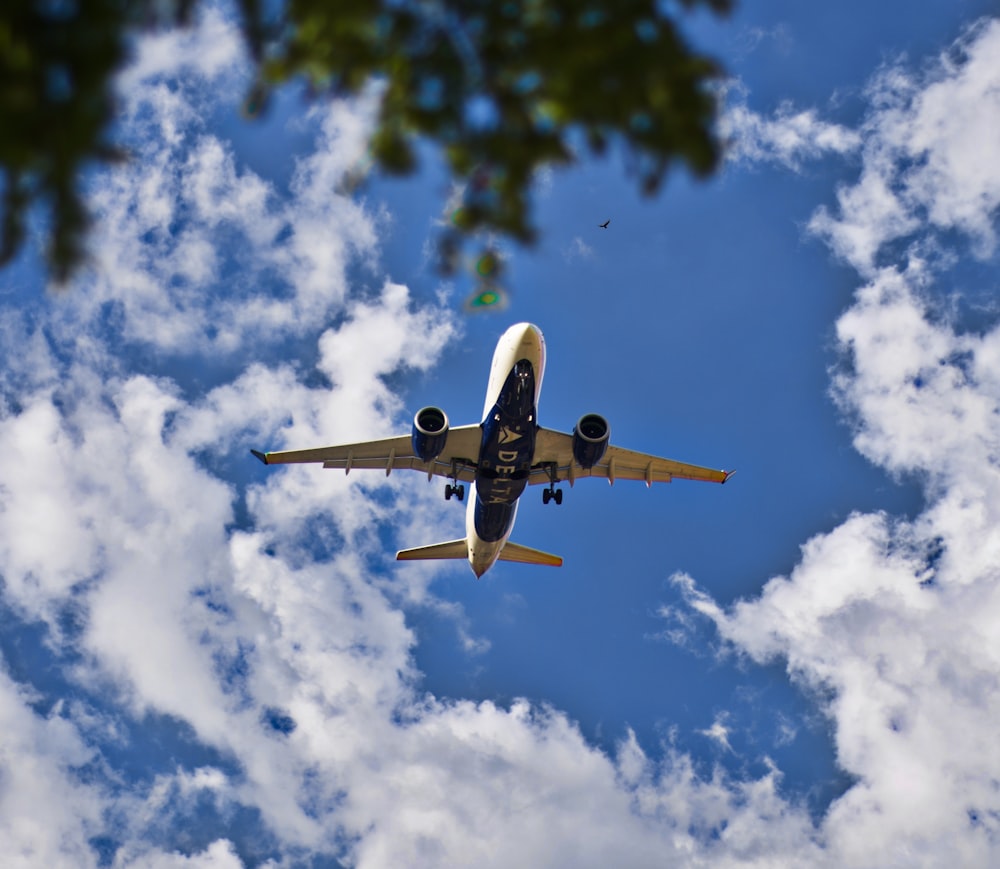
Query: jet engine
x=430, y=432
x=590, y=439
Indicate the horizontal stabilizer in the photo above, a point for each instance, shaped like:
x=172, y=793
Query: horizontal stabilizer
x=451, y=549
x=527, y=555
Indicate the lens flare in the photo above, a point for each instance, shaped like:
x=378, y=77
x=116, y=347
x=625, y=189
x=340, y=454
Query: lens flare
x=256, y=103
x=460, y=218
x=486, y=298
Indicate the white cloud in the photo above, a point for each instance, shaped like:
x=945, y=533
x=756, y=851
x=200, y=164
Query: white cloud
x=219, y=855
x=749, y=40
x=788, y=138
x=366, y=768
x=275, y=644
x=928, y=155
x=894, y=620
x=47, y=815
x=926, y=151
x=286, y=655
x=577, y=249
x=193, y=253
x=171, y=603
x=212, y=48
x=718, y=732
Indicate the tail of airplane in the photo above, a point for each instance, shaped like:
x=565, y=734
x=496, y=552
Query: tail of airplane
x=460, y=549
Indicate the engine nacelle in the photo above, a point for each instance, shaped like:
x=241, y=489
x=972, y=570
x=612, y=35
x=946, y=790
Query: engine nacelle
x=590, y=439
x=430, y=433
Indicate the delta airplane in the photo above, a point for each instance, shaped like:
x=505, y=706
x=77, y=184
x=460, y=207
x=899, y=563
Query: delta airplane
x=501, y=455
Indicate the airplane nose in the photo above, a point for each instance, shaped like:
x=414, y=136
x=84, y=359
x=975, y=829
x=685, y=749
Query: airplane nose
x=527, y=335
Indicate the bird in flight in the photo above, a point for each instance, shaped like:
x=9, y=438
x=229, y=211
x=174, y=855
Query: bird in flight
x=605, y=224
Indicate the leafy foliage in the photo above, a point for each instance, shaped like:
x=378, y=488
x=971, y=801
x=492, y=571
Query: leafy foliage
x=503, y=86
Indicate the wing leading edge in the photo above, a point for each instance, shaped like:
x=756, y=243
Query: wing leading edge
x=457, y=460
x=554, y=454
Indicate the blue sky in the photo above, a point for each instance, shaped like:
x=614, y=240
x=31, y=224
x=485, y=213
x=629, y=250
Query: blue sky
x=210, y=663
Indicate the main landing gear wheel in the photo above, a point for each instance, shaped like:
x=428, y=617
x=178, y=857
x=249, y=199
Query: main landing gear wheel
x=551, y=493
x=457, y=490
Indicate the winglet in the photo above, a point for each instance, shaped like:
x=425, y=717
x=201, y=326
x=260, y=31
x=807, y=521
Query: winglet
x=728, y=475
x=260, y=455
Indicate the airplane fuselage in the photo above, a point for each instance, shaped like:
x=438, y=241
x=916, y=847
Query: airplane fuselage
x=508, y=443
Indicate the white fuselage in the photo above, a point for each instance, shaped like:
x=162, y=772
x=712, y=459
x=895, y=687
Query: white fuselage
x=521, y=341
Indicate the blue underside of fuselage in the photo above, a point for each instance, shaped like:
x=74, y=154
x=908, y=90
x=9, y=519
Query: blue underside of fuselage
x=506, y=453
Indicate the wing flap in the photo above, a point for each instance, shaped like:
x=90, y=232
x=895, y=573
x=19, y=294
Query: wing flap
x=462, y=469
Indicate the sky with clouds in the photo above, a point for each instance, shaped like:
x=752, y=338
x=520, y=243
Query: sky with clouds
x=209, y=663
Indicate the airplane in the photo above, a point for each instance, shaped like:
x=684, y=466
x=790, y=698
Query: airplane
x=499, y=457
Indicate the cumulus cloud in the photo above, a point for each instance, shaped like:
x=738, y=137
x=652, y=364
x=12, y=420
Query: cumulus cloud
x=250, y=621
x=789, y=137
x=269, y=647
x=47, y=814
x=928, y=159
x=194, y=252
x=926, y=151
x=893, y=619
x=213, y=629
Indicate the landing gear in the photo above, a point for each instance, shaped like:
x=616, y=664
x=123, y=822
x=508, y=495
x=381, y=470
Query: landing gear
x=454, y=487
x=552, y=493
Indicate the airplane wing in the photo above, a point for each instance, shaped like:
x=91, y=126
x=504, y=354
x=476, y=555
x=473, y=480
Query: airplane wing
x=555, y=449
x=457, y=460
